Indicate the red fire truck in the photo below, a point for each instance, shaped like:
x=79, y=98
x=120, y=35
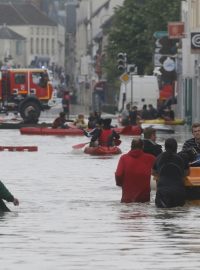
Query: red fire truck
x=25, y=90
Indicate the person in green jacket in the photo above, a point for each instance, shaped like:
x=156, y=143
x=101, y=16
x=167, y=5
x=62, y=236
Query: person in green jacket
x=6, y=195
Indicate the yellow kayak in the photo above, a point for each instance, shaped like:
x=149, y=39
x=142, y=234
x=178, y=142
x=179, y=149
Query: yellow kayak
x=176, y=121
x=192, y=181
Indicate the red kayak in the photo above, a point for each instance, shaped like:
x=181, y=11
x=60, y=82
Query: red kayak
x=73, y=131
x=102, y=150
x=51, y=131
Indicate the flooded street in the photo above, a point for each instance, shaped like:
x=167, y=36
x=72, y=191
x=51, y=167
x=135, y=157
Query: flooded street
x=70, y=216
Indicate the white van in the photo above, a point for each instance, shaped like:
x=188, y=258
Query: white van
x=139, y=90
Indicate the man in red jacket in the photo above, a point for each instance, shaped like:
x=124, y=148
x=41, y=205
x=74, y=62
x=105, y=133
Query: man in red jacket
x=133, y=174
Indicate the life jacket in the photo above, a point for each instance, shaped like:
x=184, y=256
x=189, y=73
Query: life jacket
x=105, y=136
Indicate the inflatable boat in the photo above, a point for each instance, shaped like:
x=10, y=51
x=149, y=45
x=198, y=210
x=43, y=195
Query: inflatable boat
x=51, y=131
x=192, y=184
x=73, y=131
x=176, y=121
x=102, y=150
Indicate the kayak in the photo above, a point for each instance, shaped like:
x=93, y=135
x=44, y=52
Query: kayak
x=159, y=127
x=176, y=121
x=51, y=131
x=74, y=131
x=102, y=150
x=192, y=184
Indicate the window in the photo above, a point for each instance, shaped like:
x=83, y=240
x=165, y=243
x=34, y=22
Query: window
x=42, y=46
x=47, y=46
x=53, y=46
x=37, y=45
x=20, y=78
x=19, y=47
x=40, y=78
x=31, y=46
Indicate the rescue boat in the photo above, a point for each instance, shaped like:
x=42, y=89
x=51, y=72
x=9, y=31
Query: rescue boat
x=51, y=131
x=192, y=184
x=73, y=131
x=176, y=121
x=102, y=150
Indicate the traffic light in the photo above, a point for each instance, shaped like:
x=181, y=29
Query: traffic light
x=121, y=61
x=167, y=46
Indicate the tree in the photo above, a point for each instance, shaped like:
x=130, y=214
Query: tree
x=132, y=30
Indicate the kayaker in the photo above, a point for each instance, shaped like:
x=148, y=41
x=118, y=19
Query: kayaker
x=168, y=114
x=170, y=169
x=195, y=141
x=153, y=112
x=125, y=115
x=60, y=122
x=133, y=173
x=103, y=135
x=6, y=195
x=94, y=119
x=150, y=145
x=134, y=116
x=80, y=121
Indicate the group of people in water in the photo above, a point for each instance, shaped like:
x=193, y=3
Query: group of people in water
x=132, y=116
x=100, y=130
x=168, y=167
x=144, y=159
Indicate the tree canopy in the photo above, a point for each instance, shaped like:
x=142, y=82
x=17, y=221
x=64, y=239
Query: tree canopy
x=133, y=26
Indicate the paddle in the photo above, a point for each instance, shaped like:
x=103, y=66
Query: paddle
x=80, y=145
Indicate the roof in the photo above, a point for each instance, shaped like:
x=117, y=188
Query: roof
x=23, y=14
x=6, y=33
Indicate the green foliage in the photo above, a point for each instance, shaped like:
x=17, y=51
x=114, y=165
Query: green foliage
x=132, y=31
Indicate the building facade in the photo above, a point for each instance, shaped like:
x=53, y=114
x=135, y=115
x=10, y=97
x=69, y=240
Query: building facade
x=45, y=39
x=189, y=77
x=90, y=44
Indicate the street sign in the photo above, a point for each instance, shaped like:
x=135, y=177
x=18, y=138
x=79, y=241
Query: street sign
x=176, y=30
x=169, y=64
x=195, y=42
x=125, y=78
x=160, y=34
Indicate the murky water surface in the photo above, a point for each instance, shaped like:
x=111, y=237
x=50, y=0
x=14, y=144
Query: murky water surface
x=70, y=215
